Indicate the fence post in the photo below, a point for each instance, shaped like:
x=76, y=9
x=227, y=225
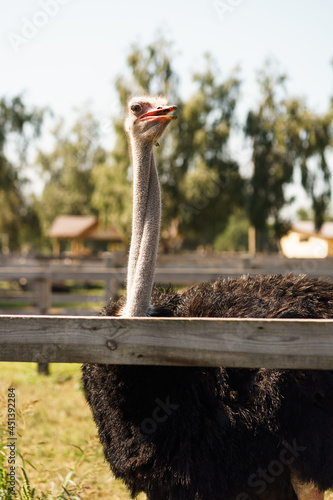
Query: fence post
x=44, y=290
x=252, y=241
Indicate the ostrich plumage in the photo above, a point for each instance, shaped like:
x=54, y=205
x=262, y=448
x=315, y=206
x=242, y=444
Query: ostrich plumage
x=209, y=433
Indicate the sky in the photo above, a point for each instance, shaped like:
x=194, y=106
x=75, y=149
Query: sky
x=65, y=54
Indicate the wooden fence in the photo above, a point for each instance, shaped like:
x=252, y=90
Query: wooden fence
x=298, y=344
x=179, y=270
x=187, y=342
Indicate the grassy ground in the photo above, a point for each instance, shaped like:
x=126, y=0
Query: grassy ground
x=56, y=434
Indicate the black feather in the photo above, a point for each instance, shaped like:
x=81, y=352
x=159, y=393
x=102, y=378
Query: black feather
x=218, y=433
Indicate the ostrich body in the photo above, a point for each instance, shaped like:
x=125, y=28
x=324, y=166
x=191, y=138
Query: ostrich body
x=209, y=433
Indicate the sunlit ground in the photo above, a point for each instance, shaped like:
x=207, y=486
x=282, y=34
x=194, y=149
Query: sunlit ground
x=56, y=433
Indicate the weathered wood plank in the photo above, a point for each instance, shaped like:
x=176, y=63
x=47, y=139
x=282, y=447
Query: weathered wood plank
x=170, y=341
x=181, y=275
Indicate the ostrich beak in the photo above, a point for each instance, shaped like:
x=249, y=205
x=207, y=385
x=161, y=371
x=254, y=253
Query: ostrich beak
x=159, y=114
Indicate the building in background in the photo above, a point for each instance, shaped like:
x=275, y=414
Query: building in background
x=303, y=241
x=77, y=230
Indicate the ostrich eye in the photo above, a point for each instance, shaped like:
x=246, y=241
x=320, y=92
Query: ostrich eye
x=136, y=108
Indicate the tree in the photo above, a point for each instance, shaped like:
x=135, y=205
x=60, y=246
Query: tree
x=19, y=126
x=149, y=71
x=68, y=169
x=201, y=184
x=235, y=236
x=310, y=135
x=211, y=188
x=285, y=135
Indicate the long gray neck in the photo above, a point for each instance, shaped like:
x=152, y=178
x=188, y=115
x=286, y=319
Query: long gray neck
x=145, y=230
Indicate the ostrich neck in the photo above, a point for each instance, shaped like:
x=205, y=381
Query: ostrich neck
x=141, y=163
x=145, y=230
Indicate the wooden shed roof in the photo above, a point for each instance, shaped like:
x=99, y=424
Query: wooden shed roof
x=72, y=226
x=83, y=227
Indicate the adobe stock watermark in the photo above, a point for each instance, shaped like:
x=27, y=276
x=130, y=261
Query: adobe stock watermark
x=263, y=477
x=225, y=7
x=30, y=27
x=161, y=413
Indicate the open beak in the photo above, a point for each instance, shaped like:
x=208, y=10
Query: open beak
x=159, y=114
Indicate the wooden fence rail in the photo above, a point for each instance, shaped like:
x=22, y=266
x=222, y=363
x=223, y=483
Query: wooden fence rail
x=298, y=344
x=176, y=271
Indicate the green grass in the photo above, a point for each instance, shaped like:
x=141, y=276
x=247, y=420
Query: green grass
x=96, y=306
x=24, y=307
x=62, y=458
x=14, y=305
x=9, y=285
x=56, y=435
x=94, y=286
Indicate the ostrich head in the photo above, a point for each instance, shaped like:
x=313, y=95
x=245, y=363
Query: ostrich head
x=148, y=117
x=146, y=121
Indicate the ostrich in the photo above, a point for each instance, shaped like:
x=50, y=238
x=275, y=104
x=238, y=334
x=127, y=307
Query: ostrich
x=180, y=433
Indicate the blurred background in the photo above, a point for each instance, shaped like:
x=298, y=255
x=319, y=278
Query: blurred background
x=246, y=175
x=251, y=146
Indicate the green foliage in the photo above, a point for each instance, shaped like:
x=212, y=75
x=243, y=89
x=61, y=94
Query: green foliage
x=5, y=493
x=19, y=126
x=68, y=168
x=206, y=179
x=193, y=159
x=235, y=235
x=26, y=492
x=65, y=456
x=285, y=136
x=305, y=214
x=113, y=205
x=311, y=136
x=201, y=183
x=23, y=489
x=150, y=71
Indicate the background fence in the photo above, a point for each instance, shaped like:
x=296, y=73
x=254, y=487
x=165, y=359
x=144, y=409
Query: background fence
x=183, y=341
x=41, y=274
